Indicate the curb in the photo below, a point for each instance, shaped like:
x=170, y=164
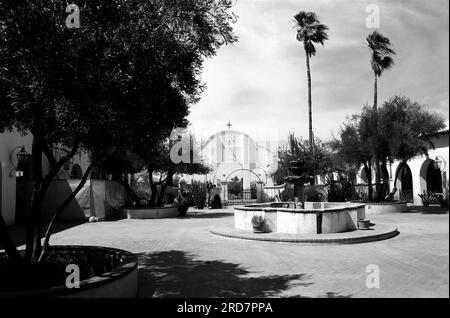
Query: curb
x=392, y=232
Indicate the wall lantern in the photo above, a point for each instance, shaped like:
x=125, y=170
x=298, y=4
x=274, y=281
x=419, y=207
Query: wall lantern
x=22, y=160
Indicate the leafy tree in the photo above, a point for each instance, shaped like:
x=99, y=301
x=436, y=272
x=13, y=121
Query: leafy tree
x=352, y=148
x=161, y=169
x=403, y=133
x=122, y=165
x=381, y=60
x=310, y=31
x=317, y=162
x=235, y=186
x=405, y=128
x=131, y=70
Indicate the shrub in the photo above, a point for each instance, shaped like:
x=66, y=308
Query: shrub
x=258, y=221
x=199, y=194
x=287, y=195
x=312, y=194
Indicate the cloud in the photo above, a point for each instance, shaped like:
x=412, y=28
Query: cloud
x=260, y=82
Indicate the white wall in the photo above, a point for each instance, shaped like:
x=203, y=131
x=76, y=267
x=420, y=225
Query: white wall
x=8, y=141
x=416, y=164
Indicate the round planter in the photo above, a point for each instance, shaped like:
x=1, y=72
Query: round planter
x=114, y=274
x=150, y=213
x=257, y=229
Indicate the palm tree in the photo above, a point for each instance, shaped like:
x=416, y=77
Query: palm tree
x=310, y=31
x=381, y=60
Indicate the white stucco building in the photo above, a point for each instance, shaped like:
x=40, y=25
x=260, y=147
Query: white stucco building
x=233, y=153
x=424, y=173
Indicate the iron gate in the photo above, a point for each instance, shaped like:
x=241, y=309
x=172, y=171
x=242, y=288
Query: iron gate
x=245, y=196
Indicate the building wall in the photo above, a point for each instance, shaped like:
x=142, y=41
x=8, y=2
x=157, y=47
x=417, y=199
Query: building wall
x=8, y=181
x=231, y=150
x=419, y=165
x=8, y=141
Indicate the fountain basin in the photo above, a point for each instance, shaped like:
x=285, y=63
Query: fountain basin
x=316, y=218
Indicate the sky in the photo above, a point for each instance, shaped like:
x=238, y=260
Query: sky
x=259, y=83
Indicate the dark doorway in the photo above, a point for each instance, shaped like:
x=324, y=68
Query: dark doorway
x=434, y=178
x=76, y=172
x=406, y=183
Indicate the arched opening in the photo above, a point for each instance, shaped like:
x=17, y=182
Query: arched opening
x=430, y=177
x=405, y=183
x=434, y=178
x=76, y=172
x=365, y=175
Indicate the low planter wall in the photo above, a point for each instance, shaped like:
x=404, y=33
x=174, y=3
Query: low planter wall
x=319, y=220
x=113, y=273
x=150, y=213
x=374, y=208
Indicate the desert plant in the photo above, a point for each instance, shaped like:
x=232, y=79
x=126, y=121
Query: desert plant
x=259, y=222
x=199, y=194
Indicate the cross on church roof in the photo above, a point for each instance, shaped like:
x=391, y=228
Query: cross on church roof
x=229, y=125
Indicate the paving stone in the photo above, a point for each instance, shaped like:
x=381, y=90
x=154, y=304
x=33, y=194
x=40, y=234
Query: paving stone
x=181, y=258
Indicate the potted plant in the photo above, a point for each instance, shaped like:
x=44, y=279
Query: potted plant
x=259, y=224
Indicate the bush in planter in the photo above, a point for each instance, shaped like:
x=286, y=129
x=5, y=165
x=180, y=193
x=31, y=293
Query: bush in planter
x=259, y=223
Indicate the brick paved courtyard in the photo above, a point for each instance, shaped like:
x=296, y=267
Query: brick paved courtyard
x=180, y=258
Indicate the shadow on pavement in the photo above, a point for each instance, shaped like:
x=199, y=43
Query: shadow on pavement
x=17, y=232
x=207, y=215
x=176, y=274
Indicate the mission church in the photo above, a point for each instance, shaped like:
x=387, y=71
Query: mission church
x=231, y=153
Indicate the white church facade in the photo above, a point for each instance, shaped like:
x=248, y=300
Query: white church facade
x=234, y=154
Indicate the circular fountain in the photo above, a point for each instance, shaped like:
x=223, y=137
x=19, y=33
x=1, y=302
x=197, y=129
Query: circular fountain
x=315, y=218
x=305, y=222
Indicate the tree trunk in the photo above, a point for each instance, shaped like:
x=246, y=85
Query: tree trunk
x=385, y=173
x=46, y=247
x=311, y=138
x=153, y=186
x=164, y=184
x=369, y=177
x=375, y=93
x=33, y=224
x=378, y=189
x=130, y=192
x=32, y=228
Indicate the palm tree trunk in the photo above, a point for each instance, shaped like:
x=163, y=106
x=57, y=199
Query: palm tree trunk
x=308, y=68
x=375, y=93
x=369, y=179
x=378, y=190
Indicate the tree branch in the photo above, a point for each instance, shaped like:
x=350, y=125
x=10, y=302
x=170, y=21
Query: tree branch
x=71, y=197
